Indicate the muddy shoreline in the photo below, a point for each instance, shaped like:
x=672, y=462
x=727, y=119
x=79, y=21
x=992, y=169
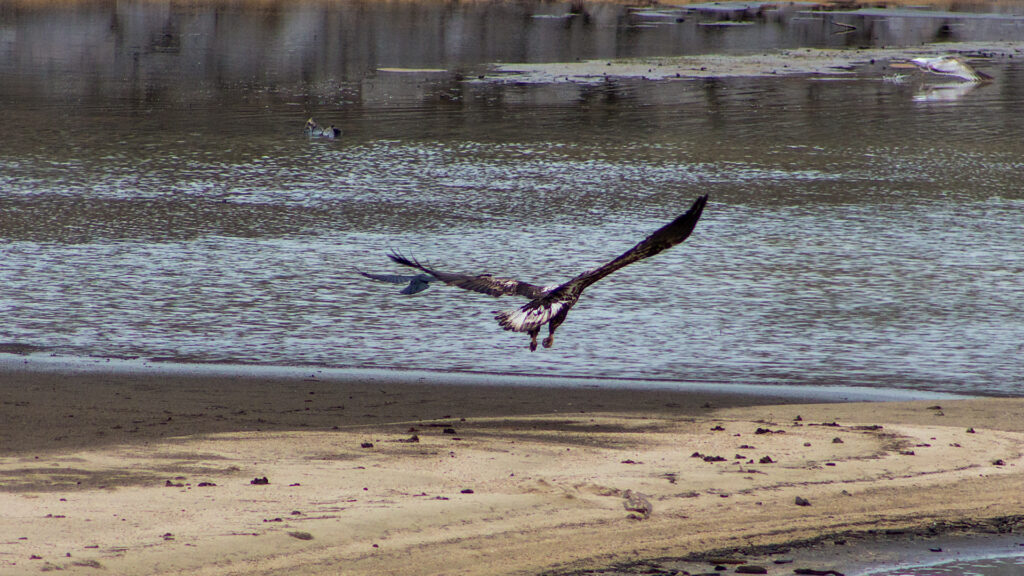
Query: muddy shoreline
x=846, y=553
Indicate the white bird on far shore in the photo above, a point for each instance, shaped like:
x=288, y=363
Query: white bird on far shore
x=950, y=66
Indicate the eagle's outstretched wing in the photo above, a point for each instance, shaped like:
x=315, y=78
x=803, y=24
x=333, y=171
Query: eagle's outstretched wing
x=555, y=304
x=483, y=283
x=417, y=283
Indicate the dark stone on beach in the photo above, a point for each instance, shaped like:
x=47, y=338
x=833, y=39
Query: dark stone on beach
x=714, y=459
x=696, y=455
x=170, y=484
x=766, y=460
x=999, y=462
x=936, y=549
x=813, y=572
x=638, y=503
x=751, y=569
x=259, y=481
x=205, y=484
x=467, y=491
x=837, y=440
x=448, y=431
x=366, y=445
x=802, y=501
x=970, y=431
x=718, y=429
x=762, y=431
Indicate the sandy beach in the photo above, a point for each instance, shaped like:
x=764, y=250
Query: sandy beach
x=183, y=474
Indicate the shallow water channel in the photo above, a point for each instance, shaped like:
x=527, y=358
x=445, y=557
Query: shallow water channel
x=159, y=199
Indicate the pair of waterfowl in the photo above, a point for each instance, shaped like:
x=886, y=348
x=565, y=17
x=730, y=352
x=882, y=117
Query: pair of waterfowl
x=314, y=130
x=548, y=304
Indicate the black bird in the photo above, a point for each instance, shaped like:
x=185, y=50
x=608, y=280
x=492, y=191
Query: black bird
x=417, y=283
x=550, y=304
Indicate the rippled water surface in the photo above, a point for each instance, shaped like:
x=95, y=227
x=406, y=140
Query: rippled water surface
x=158, y=197
x=1008, y=566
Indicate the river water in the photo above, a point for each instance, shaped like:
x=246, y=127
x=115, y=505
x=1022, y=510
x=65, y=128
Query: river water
x=159, y=198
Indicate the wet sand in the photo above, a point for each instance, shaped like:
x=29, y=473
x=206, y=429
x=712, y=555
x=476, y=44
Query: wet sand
x=157, y=473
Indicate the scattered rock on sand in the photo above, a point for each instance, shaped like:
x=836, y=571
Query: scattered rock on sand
x=259, y=481
x=751, y=569
x=800, y=501
x=637, y=502
x=301, y=535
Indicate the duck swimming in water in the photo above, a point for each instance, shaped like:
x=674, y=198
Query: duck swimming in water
x=314, y=130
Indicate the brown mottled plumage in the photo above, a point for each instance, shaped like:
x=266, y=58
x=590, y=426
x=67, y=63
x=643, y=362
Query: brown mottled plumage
x=550, y=304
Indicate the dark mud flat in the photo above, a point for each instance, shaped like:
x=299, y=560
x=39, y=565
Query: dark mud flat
x=846, y=553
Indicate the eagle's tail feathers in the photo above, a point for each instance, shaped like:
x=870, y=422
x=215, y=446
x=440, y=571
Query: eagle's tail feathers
x=530, y=317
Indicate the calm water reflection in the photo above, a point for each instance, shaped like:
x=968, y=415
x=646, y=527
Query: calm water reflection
x=158, y=197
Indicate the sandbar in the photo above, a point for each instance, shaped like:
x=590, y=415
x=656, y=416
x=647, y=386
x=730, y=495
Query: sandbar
x=201, y=474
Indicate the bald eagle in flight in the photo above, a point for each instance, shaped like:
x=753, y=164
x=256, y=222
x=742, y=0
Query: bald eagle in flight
x=550, y=304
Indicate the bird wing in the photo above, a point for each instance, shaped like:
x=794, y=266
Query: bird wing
x=417, y=283
x=951, y=66
x=483, y=283
x=391, y=278
x=541, y=310
x=662, y=239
